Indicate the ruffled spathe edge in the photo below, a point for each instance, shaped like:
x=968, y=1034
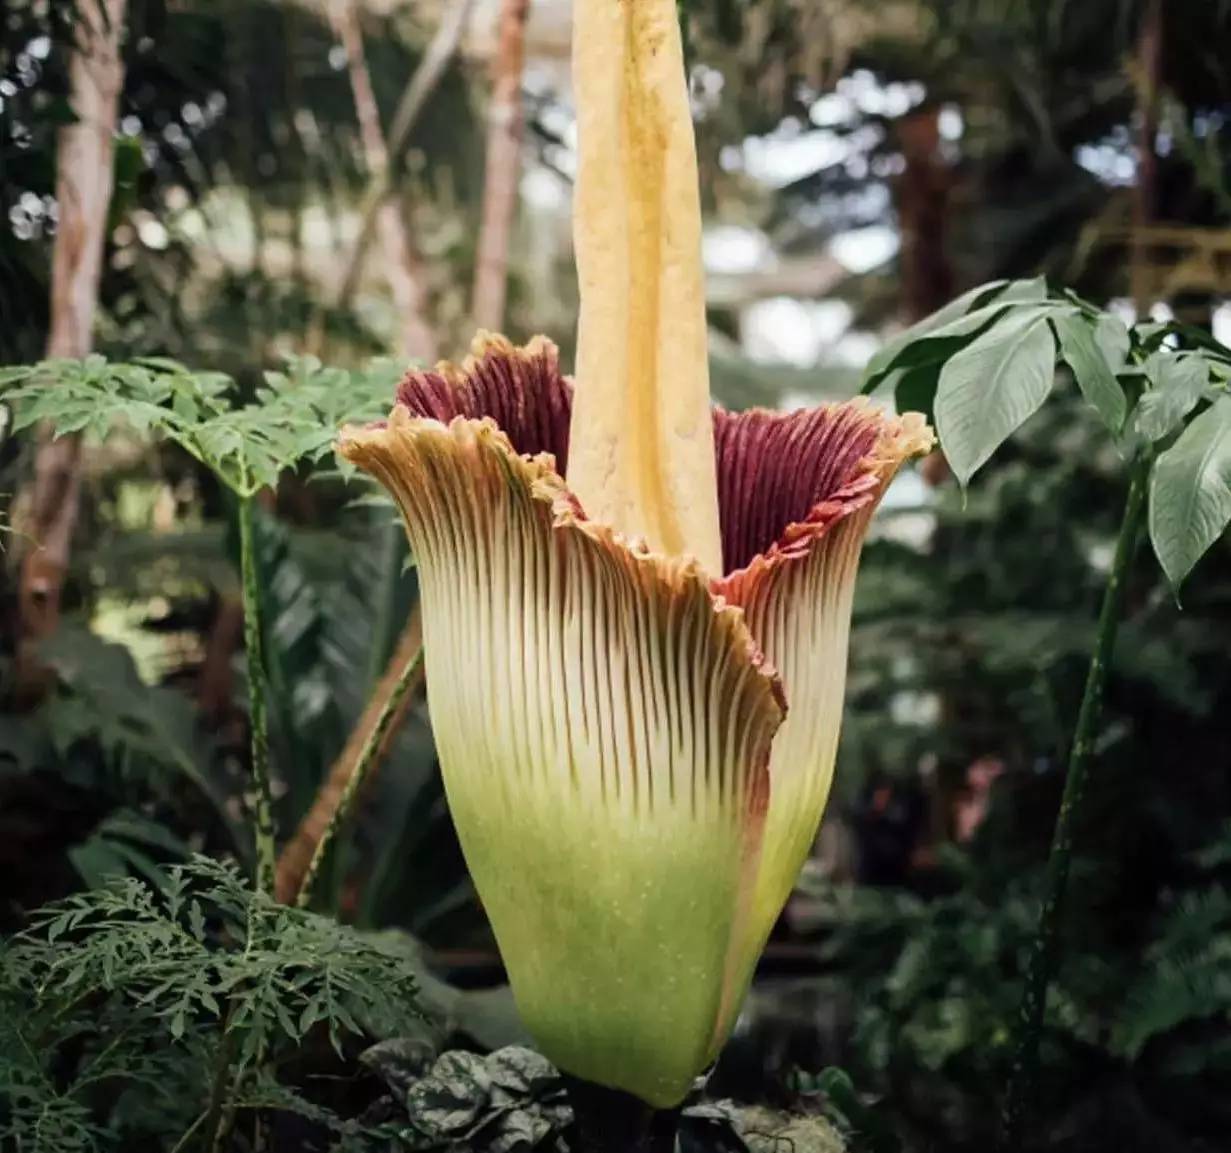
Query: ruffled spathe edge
x=897, y=440
x=548, y=486
x=797, y=596
x=520, y=388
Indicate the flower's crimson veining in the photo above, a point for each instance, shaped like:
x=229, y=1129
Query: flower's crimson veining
x=521, y=389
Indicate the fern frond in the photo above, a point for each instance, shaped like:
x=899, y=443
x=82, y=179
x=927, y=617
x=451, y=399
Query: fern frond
x=130, y=989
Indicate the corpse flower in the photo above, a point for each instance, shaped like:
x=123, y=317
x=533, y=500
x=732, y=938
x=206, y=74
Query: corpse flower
x=636, y=607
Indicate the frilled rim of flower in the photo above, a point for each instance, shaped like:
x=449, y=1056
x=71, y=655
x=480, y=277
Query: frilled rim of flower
x=521, y=389
x=538, y=472
x=522, y=393
x=897, y=440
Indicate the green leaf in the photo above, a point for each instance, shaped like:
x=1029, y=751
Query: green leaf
x=931, y=342
x=915, y=391
x=1081, y=351
x=1190, y=492
x=883, y=361
x=97, y=861
x=1021, y=291
x=1113, y=339
x=989, y=389
x=1178, y=384
x=450, y=1098
x=400, y=1061
x=522, y=1071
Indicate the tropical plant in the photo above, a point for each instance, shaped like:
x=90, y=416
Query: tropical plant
x=932, y=986
x=135, y=1013
x=984, y=365
x=246, y=448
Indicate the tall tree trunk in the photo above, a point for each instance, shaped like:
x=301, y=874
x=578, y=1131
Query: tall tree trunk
x=402, y=266
x=505, y=121
x=923, y=195
x=431, y=70
x=83, y=195
x=1149, y=67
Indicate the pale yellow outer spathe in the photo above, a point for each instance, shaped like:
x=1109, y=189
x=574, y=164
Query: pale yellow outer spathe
x=642, y=451
x=633, y=805
x=604, y=731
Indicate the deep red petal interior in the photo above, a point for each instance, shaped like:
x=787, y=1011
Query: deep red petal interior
x=775, y=467
x=520, y=389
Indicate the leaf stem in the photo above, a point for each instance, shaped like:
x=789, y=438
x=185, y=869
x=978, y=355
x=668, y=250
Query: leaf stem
x=188, y=1133
x=216, y=1113
x=1045, y=952
x=265, y=848
x=367, y=757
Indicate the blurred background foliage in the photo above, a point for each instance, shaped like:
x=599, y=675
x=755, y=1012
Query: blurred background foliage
x=862, y=162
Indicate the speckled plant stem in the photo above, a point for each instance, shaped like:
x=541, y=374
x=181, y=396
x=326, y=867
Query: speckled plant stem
x=264, y=833
x=1021, y=1089
x=366, y=758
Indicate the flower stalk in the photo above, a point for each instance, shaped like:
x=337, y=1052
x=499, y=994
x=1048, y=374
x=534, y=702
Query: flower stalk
x=258, y=719
x=1045, y=952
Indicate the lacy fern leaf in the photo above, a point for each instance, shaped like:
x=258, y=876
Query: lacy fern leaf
x=130, y=1003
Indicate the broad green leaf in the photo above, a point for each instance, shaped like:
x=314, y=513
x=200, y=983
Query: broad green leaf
x=1151, y=334
x=1081, y=351
x=884, y=359
x=1190, y=336
x=1020, y=291
x=1178, y=383
x=1190, y=492
x=162, y=364
x=981, y=318
x=991, y=387
x=1113, y=339
x=97, y=861
x=446, y=1102
x=935, y=346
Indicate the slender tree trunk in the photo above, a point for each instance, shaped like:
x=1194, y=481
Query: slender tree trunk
x=505, y=122
x=923, y=196
x=83, y=195
x=1149, y=65
x=402, y=265
x=423, y=83
x=299, y=851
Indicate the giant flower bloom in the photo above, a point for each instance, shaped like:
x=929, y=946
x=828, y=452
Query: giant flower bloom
x=636, y=608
